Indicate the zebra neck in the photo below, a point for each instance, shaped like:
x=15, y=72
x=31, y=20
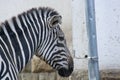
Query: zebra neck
x=20, y=38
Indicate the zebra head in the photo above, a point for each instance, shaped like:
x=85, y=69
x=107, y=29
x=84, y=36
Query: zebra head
x=53, y=48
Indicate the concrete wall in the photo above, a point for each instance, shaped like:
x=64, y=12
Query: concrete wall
x=80, y=40
x=108, y=33
x=108, y=37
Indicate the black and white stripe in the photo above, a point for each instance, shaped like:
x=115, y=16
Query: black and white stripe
x=35, y=31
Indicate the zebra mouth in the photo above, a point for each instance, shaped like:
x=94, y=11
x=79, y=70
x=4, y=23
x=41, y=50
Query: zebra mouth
x=65, y=72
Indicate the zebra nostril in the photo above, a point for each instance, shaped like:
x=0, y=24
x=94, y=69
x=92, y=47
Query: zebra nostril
x=71, y=68
x=71, y=63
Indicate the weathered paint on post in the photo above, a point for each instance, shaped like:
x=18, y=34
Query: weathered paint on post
x=93, y=68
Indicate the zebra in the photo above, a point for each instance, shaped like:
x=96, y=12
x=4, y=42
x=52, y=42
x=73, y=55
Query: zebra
x=34, y=32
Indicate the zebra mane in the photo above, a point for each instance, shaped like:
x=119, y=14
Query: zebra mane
x=42, y=9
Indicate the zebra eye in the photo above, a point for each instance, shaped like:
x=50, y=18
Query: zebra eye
x=54, y=22
x=61, y=38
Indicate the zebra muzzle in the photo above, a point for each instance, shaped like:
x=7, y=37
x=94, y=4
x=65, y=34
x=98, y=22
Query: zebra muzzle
x=65, y=72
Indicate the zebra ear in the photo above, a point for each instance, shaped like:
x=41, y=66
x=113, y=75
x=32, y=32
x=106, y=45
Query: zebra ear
x=55, y=20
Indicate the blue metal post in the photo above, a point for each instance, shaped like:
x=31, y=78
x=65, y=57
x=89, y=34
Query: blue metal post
x=93, y=68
